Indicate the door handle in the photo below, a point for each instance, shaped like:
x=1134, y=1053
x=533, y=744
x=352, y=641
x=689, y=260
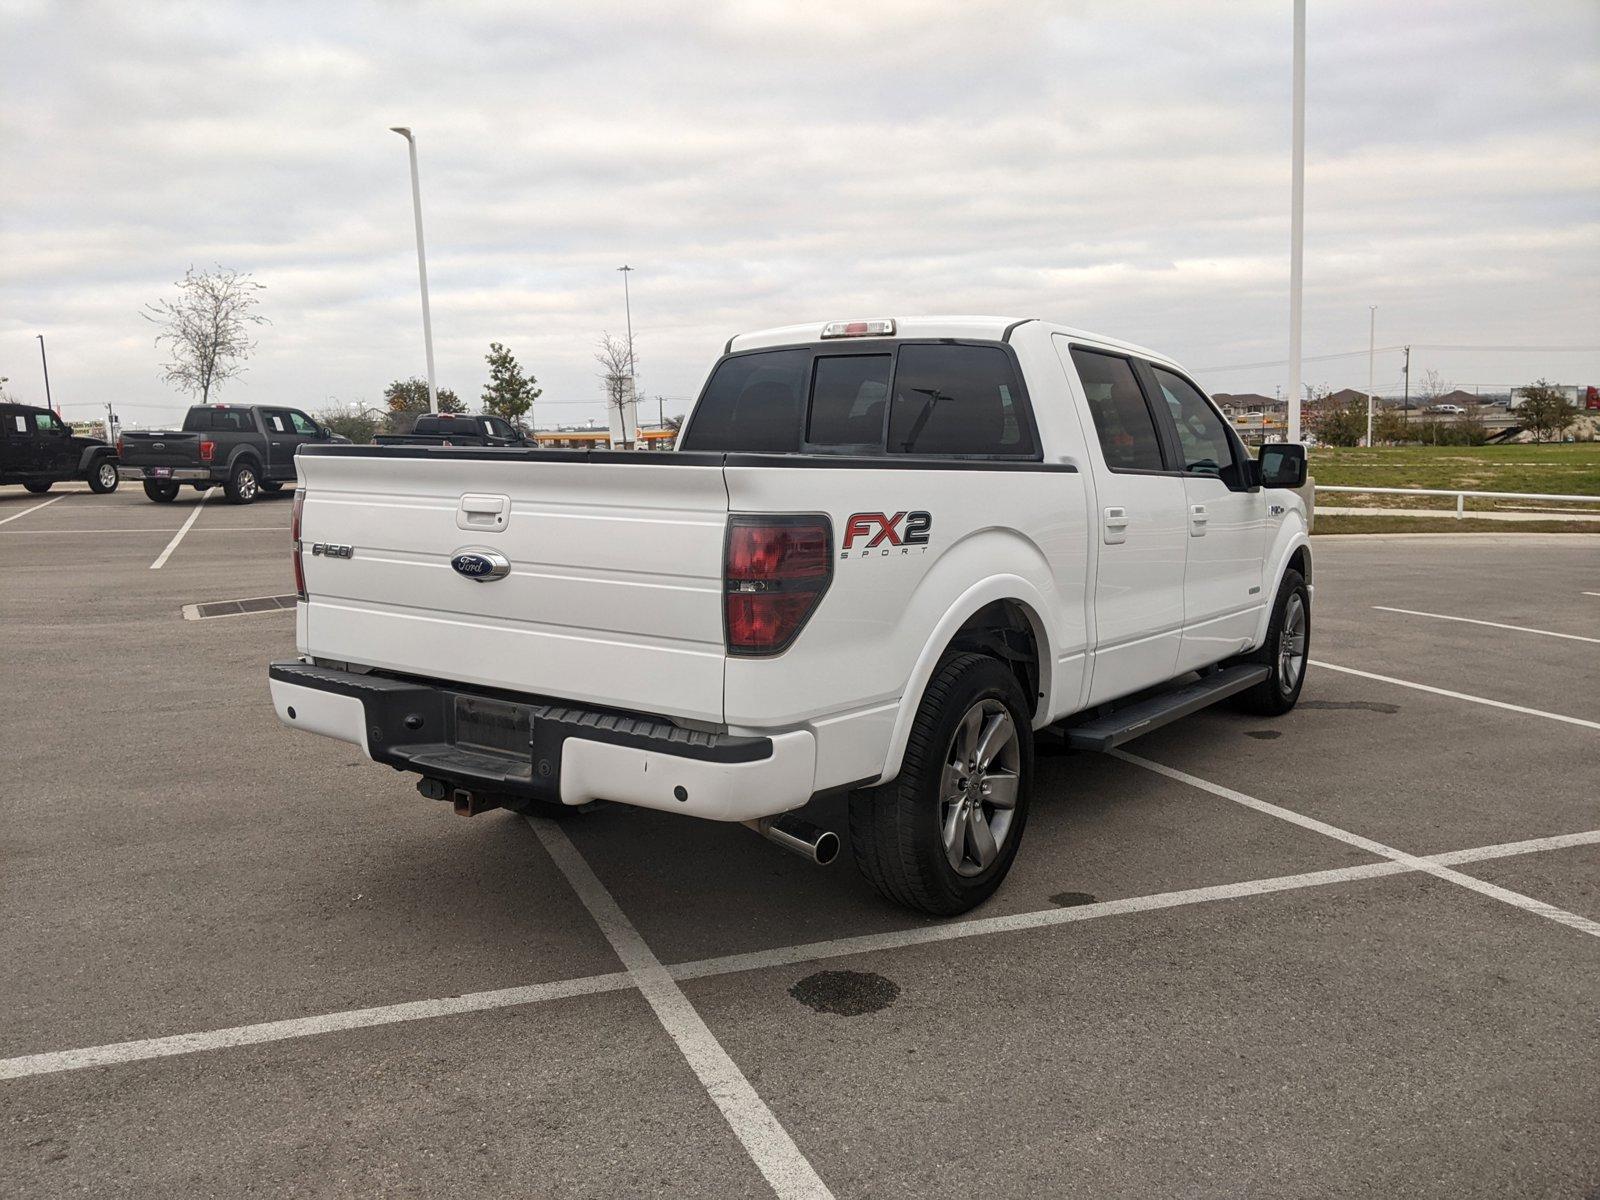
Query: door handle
x=1197, y=520
x=1116, y=526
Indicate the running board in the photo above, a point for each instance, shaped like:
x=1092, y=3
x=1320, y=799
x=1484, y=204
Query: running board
x=1126, y=723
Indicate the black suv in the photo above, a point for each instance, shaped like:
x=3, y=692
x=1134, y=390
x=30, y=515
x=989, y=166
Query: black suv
x=37, y=449
x=246, y=448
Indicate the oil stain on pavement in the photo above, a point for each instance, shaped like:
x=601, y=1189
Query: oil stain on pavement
x=846, y=993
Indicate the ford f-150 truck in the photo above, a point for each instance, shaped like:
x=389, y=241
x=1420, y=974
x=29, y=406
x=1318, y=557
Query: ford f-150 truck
x=884, y=555
x=247, y=449
x=457, y=429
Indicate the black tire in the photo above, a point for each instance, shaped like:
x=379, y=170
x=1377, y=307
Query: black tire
x=244, y=485
x=38, y=489
x=1279, y=691
x=103, y=476
x=897, y=831
x=161, y=491
x=272, y=485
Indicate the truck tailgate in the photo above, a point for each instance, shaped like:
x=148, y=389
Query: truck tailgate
x=614, y=594
x=165, y=448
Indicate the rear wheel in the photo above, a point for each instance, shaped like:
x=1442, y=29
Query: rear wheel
x=162, y=492
x=243, y=485
x=38, y=489
x=103, y=477
x=942, y=837
x=1285, y=651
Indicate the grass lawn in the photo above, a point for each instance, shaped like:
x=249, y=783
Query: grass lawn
x=1569, y=469
x=1378, y=523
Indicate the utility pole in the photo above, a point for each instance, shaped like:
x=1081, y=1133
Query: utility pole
x=1407, y=401
x=422, y=263
x=45, y=362
x=111, y=424
x=1372, y=344
x=1297, y=223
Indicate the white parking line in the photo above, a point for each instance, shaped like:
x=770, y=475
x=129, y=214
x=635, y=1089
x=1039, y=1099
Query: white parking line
x=1437, y=691
x=161, y=560
x=1591, y=593
x=766, y=1141
x=1411, y=612
x=36, y=507
x=277, y=1031
x=271, y=1031
x=1430, y=866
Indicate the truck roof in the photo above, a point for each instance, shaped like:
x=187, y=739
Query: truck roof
x=983, y=328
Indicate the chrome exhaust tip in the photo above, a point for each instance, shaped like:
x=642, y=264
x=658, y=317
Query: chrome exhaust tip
x=810, y=842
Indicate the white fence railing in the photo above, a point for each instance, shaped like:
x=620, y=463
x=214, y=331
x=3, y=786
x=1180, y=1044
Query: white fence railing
x=1461, y=495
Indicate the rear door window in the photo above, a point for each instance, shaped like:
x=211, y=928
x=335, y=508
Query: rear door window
x=277, y=422
x=752, y=404
x=849, y=396
x=1122, y=419
x=958, y=400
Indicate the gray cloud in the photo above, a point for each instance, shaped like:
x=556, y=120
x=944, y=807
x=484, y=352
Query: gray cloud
x=1123, y=167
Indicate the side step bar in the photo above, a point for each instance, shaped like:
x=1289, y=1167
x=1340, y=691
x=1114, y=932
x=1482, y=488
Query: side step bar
x=1141, y=716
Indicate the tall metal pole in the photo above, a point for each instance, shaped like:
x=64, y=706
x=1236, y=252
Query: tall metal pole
x=422, y=264
x=1372, y=343
x=1297, y=224
x=1407, y=401
x=45, y=362
x=627, y=307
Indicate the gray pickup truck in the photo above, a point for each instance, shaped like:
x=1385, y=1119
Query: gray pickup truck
x=247, y=449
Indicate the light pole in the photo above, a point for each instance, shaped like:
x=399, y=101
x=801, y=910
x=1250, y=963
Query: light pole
x=422, y=263
x=1297, y=224
x=1372, y=343
x=45, y=363
x=627, y=308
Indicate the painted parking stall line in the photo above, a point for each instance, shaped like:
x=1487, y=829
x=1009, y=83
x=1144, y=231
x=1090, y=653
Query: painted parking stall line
x=161, y=560
x=705, y=968
x=769, y=1145
x=1438, y=691
x=35, y=508
x=1412, y=612
x=1427, y=865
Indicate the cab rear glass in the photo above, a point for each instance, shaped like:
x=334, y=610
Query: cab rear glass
x=944, y=399
x=226, y=420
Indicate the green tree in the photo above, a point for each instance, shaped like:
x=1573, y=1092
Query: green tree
x=509, y=393
x=1333, y=423
x=1545, y=409
x=408, y=399
x=358, y=425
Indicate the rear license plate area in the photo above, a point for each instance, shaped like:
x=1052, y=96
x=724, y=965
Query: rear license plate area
x=493, y=725
x=160, y=472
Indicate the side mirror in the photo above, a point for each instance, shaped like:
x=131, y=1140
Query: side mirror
x=1282, y=465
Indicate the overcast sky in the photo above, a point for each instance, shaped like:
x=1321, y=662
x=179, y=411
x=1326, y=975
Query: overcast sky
x=1120, y=166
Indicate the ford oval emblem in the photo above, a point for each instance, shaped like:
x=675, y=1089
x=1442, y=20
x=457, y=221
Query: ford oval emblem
x=482, y=565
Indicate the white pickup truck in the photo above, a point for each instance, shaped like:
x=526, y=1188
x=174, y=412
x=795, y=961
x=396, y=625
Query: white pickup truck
x=884, y=554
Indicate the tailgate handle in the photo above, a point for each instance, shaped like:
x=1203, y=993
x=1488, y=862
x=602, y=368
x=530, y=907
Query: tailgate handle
x=482, y=512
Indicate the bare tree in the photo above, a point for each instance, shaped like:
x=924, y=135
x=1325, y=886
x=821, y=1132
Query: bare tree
x=1432, y=387
x=617, y=377
x=206, y=330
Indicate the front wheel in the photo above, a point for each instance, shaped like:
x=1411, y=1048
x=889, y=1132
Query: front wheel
x=162, y=492
x=103, y=477
x=271, y=485
x=1285, y=651
x=38, y=489
x=942, y=837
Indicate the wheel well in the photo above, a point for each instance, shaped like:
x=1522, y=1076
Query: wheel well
x=1002, y=630
x=1300, y=561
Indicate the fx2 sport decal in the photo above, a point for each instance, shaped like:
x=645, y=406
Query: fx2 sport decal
x=865, y=532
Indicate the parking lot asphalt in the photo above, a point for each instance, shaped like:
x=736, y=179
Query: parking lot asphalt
x=240, y=960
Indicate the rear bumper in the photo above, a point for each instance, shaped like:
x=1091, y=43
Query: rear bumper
x=173, y=475
x=545, y=750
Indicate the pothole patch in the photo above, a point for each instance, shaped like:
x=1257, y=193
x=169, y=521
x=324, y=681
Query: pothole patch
x=237, y=608
x=846, y=993
x=1358, y=705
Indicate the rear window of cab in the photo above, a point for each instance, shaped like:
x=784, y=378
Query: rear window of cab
x=918, y=398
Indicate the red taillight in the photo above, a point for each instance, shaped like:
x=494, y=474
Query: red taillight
x=294, y=534
x=775, y=570
x=119, y=447
x=207, y=449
